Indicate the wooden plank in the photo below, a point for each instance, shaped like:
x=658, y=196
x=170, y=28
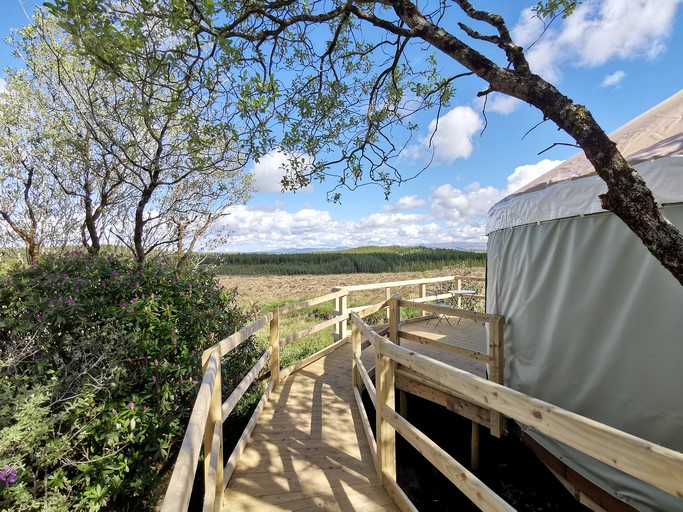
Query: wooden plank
x=312, y=302
x=229, y=343
x=394, y=319
x=447, y=347
x=244, y=438
x=400, y=498
x=307, y=332
x=474, y=448
x=394, y=284
x=312, y=358
x=448, y=310
x=385, y=383
x=369, y=386
x=409, y=384
x=179, y=490
x=275, y=348
x=244, y=384
x=496, y=366
x=649, y=462
x=213, y=491
x=365, y=421
x=366, y=311
x=480, y=494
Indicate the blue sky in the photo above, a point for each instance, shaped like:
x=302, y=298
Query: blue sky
x=617, y=57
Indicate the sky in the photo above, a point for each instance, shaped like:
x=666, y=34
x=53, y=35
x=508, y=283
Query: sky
x=619, y=58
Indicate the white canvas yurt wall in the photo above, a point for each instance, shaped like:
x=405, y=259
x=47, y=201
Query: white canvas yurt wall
x=594, y=323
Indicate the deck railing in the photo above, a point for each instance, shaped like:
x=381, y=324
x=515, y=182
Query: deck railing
x=649, y=462
x=210, y=411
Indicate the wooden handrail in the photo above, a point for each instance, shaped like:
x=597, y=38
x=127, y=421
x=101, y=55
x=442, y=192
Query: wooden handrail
x=649, y=462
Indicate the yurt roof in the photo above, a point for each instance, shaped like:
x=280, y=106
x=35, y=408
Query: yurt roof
x=654, y=135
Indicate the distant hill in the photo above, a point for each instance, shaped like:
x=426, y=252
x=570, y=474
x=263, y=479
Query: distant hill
x=371, y=259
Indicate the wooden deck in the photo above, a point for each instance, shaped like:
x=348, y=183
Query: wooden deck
x=303, y=458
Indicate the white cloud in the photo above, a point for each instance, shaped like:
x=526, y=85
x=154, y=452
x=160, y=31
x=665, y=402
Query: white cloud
x=613, y=79
x=270, y=170
x=453, y=138
x=597, y=32
x=405, y=203
x=455, y=216
x=525, y=174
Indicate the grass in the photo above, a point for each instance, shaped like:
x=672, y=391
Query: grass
x=262, y=294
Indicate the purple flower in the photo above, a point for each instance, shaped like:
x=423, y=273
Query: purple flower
x=131, y=405
x=116, y=413
x=39, y=318
x=8, y=476
x=137, y=284
x=133, y=300
x=156, y=362
x=154, y=378
x=181, y=380
x=144, y=408
x=115, y=274
x=77, y=288
x=175, y=340
x=71, y=302
x=124, y=305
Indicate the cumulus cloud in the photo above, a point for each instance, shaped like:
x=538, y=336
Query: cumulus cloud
x=455, y=215
x=270, y=170
x=500, y=103
x=613, y=79
x=453, y=138
x=597, y=32
x=405, y=203
x=525, y=174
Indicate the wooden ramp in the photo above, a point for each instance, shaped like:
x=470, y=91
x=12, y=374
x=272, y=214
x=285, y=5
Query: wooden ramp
x=308, y=450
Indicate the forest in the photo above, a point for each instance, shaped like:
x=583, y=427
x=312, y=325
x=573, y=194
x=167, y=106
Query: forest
x=360, y=260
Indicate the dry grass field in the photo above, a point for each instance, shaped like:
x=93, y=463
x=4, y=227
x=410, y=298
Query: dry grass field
x=268, y=289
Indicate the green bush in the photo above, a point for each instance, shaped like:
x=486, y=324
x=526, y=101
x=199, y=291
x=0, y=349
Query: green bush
x=99, y=367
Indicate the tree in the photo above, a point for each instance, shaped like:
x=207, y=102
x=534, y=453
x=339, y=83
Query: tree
x=155, y=151
x=348, y=87
x=32, y=214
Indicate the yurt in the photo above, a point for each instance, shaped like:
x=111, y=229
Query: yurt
x=594, y=324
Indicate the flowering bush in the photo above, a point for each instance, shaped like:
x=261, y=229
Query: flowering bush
x=99, y=366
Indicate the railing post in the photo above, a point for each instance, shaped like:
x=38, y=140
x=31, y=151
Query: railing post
x=215, y=415
x=394, y=319
x=341, y=307
x=387, y=296
x=275, y=347
x=386, y=435
x=356, y=348
x=496, y=348
x=459, y=296
x=423, y=294
x=395, y=337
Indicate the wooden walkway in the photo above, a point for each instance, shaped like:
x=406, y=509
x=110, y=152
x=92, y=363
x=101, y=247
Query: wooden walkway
x=301, y=457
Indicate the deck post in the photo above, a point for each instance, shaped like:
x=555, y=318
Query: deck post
x=275, y=347
x=394, y=337
x=341, y=308
x=495, y=343
x=385, y=381
x=423, y=294
x=215, y=415
x=356, y=348
x=459, y=296
x=394, y=319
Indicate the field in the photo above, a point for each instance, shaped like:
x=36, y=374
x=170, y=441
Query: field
x=264, y=290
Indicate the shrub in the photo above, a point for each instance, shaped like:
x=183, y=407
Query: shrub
x=99, y=366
